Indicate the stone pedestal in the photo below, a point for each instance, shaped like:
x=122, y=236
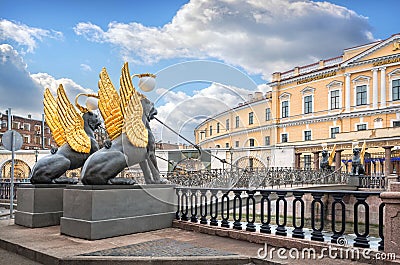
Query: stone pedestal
x=354, y=180
x=390, y=179
x=100, y=211
x=39, y=205
x=392, y=218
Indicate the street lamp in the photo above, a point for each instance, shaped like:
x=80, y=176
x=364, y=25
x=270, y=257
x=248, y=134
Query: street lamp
x=147, y=82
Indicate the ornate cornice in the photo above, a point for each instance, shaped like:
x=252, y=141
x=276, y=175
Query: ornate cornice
x=327, y=73
x=363, y=113
x=352, y=61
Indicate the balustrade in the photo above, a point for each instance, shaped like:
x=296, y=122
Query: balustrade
x=252, y=210
x=5, y=190
x=257, y=178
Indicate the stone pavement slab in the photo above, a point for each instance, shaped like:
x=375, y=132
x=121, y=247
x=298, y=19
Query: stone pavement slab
x=10, y=258
x=47, y=246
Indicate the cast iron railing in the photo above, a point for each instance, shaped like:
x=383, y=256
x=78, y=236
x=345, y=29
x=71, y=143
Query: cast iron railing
x=236, y=209
x=257, y=178
x=5, y=190
x=374, y=181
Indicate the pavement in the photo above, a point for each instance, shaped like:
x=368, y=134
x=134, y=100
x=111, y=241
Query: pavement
x=21, y=245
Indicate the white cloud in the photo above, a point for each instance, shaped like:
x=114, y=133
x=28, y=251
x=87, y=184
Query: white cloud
x=262, y=36
x=45, y=80
x=264, y=88
x=86, y=67
x=24, y=35
x=17, y=89
x=22, y=91
x=184, y=112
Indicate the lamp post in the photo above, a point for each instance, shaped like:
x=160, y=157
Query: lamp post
x=231, y=153
x=36, y=155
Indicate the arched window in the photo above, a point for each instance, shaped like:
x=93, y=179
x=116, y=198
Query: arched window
x=21, y=170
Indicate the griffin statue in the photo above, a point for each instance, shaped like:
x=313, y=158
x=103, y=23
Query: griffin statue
x=357, y=164
x=72, y=132
x=127, y=118
x=327, y=159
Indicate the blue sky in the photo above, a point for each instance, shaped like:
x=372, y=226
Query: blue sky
x=208, y=55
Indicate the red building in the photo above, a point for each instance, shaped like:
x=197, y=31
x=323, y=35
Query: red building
x=35, y=133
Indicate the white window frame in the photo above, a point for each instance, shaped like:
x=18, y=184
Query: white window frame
x=361, y=81
x=251, y=121
x=37, y=128
x=330, y=131
x=254, y=142
x=335, y=86
x=308, y=91
x=28, y=137
x=391, y=90
x=392, y=121
x=269, y=114
x=304, y=134
x=237, y=121
x=361, y=123
x=287, y=137
x=28, y=126
x=17, y=123
x=282, y=98
x=269, y=140
x=393, y=75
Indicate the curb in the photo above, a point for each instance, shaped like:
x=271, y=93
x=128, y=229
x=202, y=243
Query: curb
x=107, y=260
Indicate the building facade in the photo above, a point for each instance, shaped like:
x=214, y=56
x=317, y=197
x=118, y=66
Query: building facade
x=35, y=133
x=344, y=100
x=36, y=138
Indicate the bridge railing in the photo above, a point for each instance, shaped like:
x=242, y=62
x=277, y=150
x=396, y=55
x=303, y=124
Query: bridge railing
x=5, y=190
x=288, y=213
x=257, y=178
x=374, y=181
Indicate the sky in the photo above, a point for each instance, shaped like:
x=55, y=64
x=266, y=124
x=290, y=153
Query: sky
x=208, y=55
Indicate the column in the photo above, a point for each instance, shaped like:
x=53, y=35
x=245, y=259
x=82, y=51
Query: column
x=375, y=88
x=316, y=160
x=391, y=199
x=383, y=87
x=338, y=159
x=388, y=163
x=297, y=160
x=348, y=92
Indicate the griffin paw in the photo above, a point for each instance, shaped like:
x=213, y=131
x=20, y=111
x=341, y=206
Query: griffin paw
x=121, y=181
x=107, y=143
x=53, y=150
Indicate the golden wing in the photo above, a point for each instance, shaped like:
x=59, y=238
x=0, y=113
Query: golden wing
x=362, y=153
x=332, y=155
x=126, y=88
x=50, y=111
x=134, y=127
x=109, y=105
x=72, y=123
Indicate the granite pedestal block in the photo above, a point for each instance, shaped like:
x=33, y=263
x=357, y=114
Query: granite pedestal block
x=354, y=180
x=101, y=211
x=39, y=205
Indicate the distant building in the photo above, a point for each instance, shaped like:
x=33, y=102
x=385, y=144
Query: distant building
x=345, y=100
x=168, y=146
x=33, y=134
x=37, y=142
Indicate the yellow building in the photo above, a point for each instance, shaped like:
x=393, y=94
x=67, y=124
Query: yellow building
x=344, y=100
